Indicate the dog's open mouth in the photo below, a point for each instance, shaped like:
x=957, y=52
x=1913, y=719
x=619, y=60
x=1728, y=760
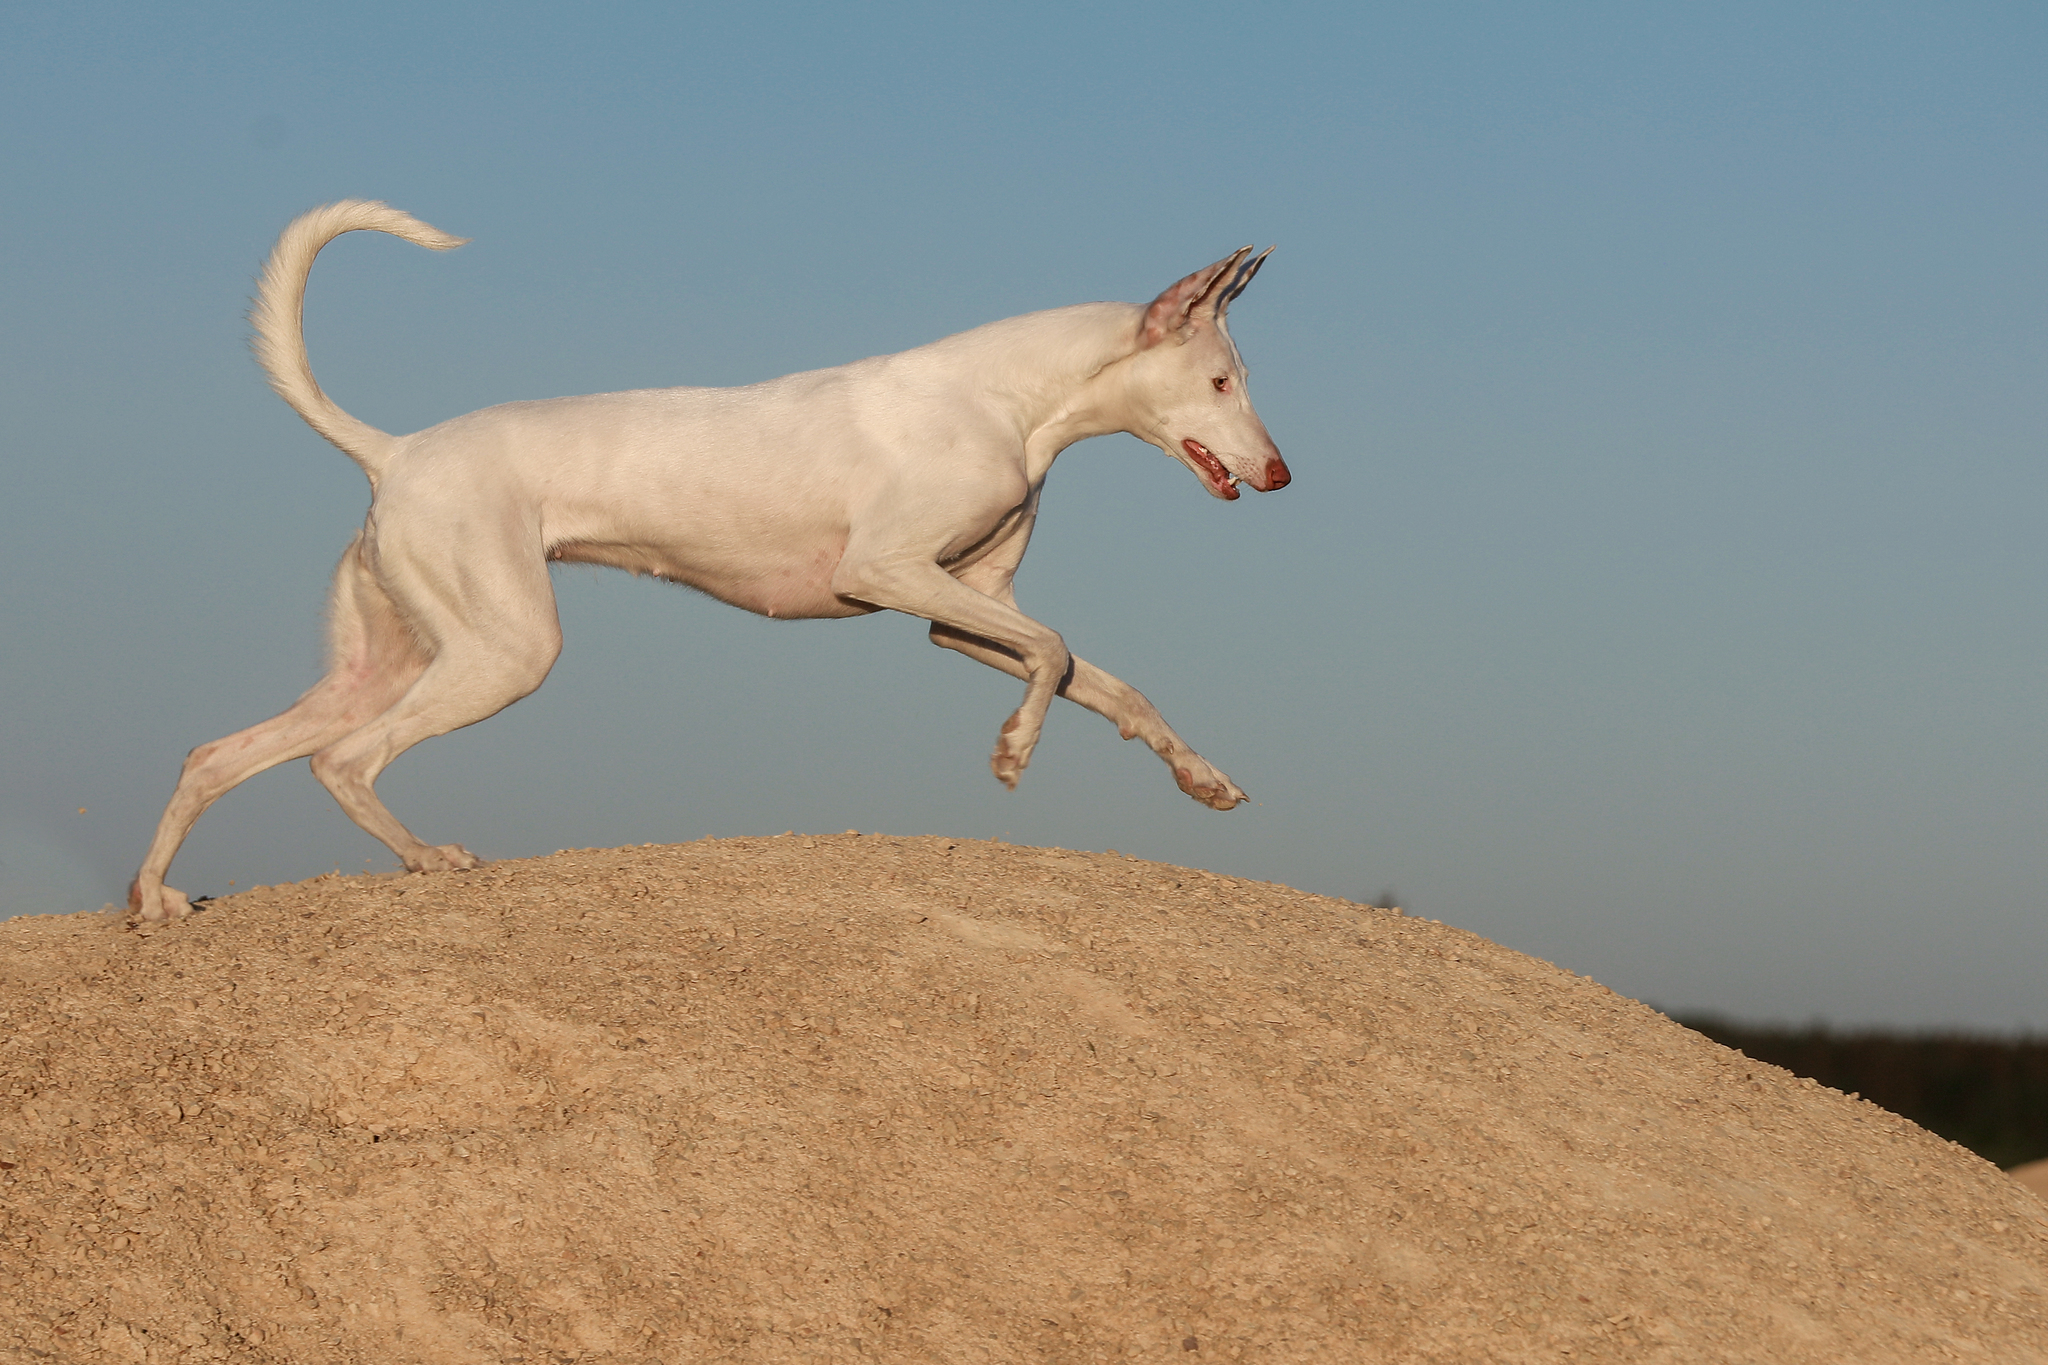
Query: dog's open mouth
x=1220, y=480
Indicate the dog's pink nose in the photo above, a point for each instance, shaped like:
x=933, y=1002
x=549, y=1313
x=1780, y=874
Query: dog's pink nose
x=1276, y=474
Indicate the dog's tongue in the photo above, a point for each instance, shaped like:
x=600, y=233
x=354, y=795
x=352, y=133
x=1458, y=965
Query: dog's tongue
x=1219, y=477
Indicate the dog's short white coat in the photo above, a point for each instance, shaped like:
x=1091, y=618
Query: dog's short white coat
x=905, y=481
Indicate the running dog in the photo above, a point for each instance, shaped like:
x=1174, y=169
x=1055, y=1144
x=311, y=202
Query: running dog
x=908, y=482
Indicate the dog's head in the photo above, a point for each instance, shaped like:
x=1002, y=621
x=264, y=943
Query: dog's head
x=1188, y=382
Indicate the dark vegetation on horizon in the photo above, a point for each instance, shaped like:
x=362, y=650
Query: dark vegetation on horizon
x=1989, y=1094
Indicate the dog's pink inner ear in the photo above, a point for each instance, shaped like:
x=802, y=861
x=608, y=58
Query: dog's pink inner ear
x=1174, y=309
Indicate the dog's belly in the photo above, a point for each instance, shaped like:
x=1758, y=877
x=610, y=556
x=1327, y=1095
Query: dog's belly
x=788, y=586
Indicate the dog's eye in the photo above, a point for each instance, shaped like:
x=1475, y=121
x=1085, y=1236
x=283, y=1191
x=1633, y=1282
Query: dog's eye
x=1222, y=383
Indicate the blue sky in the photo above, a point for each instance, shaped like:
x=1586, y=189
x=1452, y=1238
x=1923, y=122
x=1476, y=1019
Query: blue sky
x=1661, y=590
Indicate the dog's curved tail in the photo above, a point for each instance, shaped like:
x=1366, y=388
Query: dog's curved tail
x=279, y=318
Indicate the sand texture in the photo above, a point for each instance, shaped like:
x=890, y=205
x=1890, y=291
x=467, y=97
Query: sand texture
x=857, y=1098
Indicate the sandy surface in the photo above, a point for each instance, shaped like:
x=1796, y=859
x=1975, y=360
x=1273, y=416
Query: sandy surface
x=864, y=1098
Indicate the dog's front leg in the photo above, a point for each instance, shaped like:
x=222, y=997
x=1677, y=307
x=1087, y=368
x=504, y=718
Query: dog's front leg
x=919, y=587
x=1123, y=706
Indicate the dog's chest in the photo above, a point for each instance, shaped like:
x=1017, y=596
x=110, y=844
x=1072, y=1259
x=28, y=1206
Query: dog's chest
x=787, y=583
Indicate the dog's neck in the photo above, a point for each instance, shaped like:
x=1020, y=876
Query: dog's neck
x=1051, y=373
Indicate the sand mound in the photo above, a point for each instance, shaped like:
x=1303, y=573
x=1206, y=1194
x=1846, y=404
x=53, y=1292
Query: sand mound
x=860, y=1098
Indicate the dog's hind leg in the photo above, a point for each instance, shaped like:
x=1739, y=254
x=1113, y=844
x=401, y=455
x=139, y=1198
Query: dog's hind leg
x=373, y=659
x=495, y=636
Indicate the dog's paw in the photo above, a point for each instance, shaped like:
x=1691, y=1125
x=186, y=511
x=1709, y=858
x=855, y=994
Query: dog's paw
x=1208, y=786
x=1006, y=765
x=443, y=858
x=160, y=905
x=1013, y=751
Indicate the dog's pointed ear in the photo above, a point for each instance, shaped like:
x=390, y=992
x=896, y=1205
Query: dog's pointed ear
x=1238, y=281
x=1175, y=309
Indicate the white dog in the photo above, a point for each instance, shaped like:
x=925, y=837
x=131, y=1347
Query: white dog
x=905, y=481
